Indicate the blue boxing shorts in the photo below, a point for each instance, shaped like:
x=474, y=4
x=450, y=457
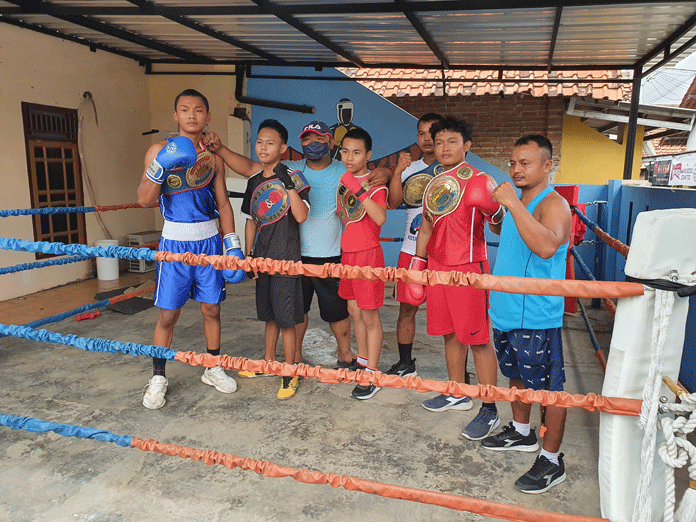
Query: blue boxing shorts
x=177, y=282
x=534, y=356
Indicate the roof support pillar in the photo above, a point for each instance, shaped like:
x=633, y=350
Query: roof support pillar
x=632, y=123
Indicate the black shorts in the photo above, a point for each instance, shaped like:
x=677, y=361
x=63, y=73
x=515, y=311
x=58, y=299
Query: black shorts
x=332, y=308
x=279, y=300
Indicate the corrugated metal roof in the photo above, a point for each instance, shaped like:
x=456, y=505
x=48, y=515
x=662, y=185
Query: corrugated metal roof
x=477, y=34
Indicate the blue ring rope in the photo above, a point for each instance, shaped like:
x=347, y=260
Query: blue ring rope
x=590, y=224
x=88, y=344
x=20, y=245
x=61, y=316
x=42, y=264
x=46, y=210
x=581, y=264
x=67, y=430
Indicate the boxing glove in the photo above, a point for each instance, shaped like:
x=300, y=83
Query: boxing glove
x=233, y=247
x=478, y=191
x=354, y=186
x=282, y=172
x=413, y=293
x=179, y=152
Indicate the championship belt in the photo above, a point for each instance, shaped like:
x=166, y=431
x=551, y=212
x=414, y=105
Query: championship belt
x=414, y=186
x=202, y=173
x=348, y=207
x=269, y=202
x=445, y=191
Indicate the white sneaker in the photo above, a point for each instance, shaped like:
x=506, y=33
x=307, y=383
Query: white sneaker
x=154, y=396
x=218, y=378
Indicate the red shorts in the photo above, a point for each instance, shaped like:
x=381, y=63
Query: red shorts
x=462, y=310
x=404, y=262
x=369, y=295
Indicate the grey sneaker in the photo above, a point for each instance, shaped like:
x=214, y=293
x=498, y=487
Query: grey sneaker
x=448, y=402
x=483, y=424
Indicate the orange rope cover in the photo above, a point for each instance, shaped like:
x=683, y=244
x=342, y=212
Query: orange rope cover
x=514, y=285
x=591, y=401
x=350, y=483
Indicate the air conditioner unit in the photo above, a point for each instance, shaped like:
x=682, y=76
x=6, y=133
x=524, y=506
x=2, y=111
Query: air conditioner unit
x=141, y=238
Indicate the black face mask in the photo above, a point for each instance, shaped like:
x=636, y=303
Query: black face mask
x=315, y=150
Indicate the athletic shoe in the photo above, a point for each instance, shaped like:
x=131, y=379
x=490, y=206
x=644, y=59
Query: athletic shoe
x=250, y=375
x=448, y=402
x=154, y=396
x=483, y=424
x=542, y=477
x=403, y=369
x=342, y=364
x=355, y=366
x=364, y=392
x=511, y=440
x=218, y=378
x=288, y=388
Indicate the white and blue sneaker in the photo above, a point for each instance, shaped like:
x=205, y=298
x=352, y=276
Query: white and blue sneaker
x=484, y=423
x=448, y=402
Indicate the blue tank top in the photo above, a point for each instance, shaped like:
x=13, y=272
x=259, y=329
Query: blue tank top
x=191, y=206
x=516, y=311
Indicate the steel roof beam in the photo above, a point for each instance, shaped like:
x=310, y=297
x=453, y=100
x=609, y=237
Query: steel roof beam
x=82, y=41
x=90, y=23
x=323, y=8
x=423, y=32
x=554, y=36
x=408, y=65
x=667, y=42
x=279, y=12
x=670, y=56
x=152, y=9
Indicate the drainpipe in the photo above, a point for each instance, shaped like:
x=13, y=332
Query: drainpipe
x=240, y=73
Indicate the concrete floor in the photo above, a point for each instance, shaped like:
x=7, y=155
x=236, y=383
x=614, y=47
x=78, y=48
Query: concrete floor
x=390, y=438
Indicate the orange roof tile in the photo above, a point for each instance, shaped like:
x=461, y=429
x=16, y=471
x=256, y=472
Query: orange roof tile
x=689, y=100
x=486, y=82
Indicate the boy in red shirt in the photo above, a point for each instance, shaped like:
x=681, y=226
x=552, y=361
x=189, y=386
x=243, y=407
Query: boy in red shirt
x=363, y=211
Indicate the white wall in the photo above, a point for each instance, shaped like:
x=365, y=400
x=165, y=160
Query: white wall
x=41, y=69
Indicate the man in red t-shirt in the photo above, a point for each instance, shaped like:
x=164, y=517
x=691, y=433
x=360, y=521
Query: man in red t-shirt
x=363, y=210
x=456, y=205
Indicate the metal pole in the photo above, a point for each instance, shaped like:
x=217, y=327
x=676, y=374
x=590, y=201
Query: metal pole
x=632, y=123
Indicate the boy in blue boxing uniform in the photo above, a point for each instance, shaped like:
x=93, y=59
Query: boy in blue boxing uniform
x=189, y=183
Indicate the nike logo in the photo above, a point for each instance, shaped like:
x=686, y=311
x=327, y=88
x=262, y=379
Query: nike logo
x=474, y=333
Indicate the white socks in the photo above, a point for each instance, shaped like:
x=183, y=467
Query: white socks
x=522, y=429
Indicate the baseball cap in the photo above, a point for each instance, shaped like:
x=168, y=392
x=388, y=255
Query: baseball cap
x=317, y=127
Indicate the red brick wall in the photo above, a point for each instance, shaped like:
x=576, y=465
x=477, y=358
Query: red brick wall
x=497, y=121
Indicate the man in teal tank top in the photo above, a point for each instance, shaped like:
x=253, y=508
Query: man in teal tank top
x=527, y=328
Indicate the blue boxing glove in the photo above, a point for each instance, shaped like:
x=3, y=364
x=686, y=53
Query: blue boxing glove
x=179, y=152
x=233, y=247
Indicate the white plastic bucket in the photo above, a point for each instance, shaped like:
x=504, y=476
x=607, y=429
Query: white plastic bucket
x=107, y=267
